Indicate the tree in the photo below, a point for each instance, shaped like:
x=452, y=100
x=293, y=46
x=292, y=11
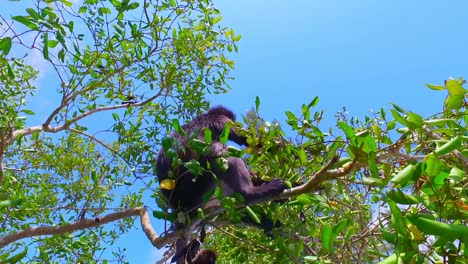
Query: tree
x=389, y=188
x=137, y=66
x=386, y=188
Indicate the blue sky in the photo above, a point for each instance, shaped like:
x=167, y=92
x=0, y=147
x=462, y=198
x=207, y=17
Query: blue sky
x=360, y=55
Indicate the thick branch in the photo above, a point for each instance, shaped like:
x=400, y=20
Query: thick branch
x=30, y=130
x=78, y=225
x=326, y=173
x=48, y=128
x=322, y=175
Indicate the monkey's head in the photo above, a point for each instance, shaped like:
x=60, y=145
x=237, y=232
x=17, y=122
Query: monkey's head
x=221, y=110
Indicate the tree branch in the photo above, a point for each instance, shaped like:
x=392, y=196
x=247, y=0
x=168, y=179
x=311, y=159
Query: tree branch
x=79, y=225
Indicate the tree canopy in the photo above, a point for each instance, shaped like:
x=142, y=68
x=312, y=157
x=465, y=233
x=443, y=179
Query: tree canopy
x=76, y=174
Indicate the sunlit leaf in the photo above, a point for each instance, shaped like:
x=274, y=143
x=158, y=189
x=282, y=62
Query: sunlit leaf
x=167, y=184
x=26, y=21
x=437, y=228
x=5, y=45
x=403, y=175
x=455, y=88
x=435, y=87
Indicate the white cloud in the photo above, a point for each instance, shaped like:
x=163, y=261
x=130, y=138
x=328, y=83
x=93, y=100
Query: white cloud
x=37, y=61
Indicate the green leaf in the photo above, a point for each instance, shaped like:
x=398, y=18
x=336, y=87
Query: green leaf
x=33, y=13
x=61, y=55
x=432, y=227
x=454, y=102
x=82, y=10
x=314, y=102
x=216, y=19
x=104, y=10
x=133, y=5
x=257, y=103
x=432, y=165
x=347, y=129
x=52, y=43
x=10, y=71
x=397, y=219
x=208, y=135
x=224, y=137
x=194, y=167
x=372, y=181
x=5, y=45
x=399, y=197
x=327, y=234
x=67, y=3
x=25, y=21
x=399, y=109
x=252, y=215
x=201, y=26
x=200, y=213
x=5, y=203
x=388, y=236
x=166, y=143
x=60, y=38
x=392, y=259
x=341, y=225
x=439, y=180
x=159, y=214
x=292, y=119
x=177, y=127
x=400, y=119
x=302, y=156
x=450, y=146
x=199, y=146
x=456, y=174
x=45, y=50
x=371, y=162
x=404, y=176
x=305, y=112
x=391, y=125
x=441, y=121
x=303, y=199
x=435, y=87
x=455, y=88
x=27, y=111
x=415, y=119
x=311, y=259
x=234, y=152
x=16, y=258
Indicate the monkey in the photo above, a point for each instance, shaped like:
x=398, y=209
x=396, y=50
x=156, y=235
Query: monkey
x=193, y=255
x=206, y=256
x=187, y=194
x=189, y=189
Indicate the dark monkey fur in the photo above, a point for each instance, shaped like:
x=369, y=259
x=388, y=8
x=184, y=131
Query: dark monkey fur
x=189, y=189
x=187, y=194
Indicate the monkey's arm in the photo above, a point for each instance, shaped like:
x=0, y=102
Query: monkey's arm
x=236, y=134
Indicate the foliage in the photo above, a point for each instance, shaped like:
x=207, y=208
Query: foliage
x=398, y=193
x=390, y=187
x=120, y=69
